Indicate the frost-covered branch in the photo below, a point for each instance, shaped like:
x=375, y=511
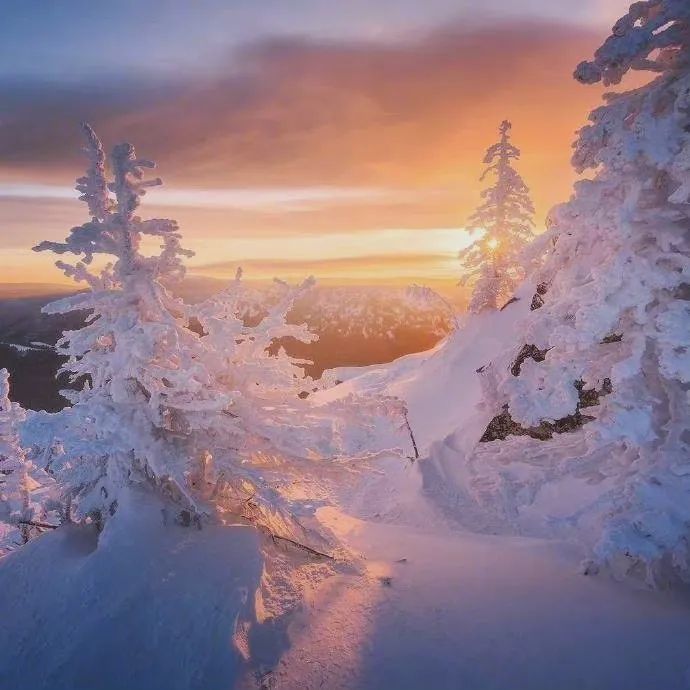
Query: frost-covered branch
x=23, y=486
x=653, y=36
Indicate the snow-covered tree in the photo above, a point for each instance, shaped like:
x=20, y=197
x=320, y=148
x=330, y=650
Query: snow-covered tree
x=145, y=388
x=202, y=417
x=19, y=478
x=493, y=262
x=611, y=329
x=264, y=386
x=248, y=358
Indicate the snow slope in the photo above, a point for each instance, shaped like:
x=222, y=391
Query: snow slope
x=434, y=607
x=440, y=387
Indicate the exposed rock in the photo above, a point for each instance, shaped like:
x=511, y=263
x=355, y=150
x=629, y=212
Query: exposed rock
x=590, y=397
x=538, y=298
x=527, y=351
x=612, y=338
x=503, y=425
x=537, y=302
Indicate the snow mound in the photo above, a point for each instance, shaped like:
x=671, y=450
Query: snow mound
x=153, y=606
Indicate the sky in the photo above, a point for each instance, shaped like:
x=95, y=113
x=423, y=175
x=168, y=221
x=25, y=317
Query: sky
x=340, y=139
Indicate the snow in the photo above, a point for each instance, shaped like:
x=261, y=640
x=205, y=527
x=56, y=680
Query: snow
x=440, y=387
x=424, y=604
x=143, y=606
x=463, y=567
x=436, y=607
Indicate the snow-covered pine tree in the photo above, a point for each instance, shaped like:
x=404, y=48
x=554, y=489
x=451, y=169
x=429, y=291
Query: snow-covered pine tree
x=248, y=360
x=263, y=384
x=19, y=478
x=493, y=262
x=612, y=332
x=145, y=389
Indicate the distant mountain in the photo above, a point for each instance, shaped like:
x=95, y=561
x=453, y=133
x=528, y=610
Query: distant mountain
x=357, y=325
x=19, y=290
x=360, y=325
x=26, y=346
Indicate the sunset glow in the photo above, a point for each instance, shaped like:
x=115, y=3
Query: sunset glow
x=294, y=152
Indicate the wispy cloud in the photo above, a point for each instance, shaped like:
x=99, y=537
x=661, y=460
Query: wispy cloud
x=248, y=198
x=372, y=268
x=303, y=113
x=295, y=138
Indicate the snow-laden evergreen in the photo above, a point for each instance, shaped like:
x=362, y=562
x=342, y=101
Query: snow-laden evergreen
x=145, y=389
x=247, y=357
x=23, y=486
x=608, y=337
x=494, y=263
x=193, y=400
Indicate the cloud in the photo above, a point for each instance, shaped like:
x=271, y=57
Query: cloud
x=407, y=119
x=404, y=268
x=28, y=220
x=293, y=112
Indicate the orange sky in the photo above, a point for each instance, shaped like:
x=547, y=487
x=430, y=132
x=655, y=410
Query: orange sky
x=349, y=159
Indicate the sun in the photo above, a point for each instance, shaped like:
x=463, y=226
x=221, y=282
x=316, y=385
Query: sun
x=492, y=243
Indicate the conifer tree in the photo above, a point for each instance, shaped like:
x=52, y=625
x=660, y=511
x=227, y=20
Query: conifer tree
x=196, y=416
x=145, y=389
x=610, y=332
x=493, y=262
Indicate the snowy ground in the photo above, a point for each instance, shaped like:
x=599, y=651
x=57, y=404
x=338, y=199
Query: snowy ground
x=459, y=576
x=482, y=612
x=437, y=607
x=427, y=605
